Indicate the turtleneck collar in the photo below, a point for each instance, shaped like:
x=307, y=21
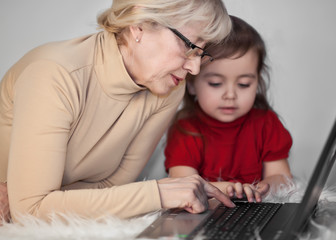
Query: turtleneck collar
x=110, y=69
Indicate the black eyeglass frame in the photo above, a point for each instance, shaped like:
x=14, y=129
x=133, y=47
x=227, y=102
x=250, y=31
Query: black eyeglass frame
x=190, y=44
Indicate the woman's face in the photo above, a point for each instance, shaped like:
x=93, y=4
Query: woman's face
x=159, y=62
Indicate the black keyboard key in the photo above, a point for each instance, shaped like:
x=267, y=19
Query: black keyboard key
x=239, y=222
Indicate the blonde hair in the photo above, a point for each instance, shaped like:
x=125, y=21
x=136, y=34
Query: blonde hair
x=168, y=13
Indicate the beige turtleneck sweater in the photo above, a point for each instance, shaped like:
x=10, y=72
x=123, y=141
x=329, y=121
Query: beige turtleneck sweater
x=76, y=131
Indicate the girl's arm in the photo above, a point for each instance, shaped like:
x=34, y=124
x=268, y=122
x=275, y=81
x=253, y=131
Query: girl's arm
x=276, y=173
x=181, y=171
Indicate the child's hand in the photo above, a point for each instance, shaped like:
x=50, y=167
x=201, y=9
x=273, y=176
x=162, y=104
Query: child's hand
x=252, y=192
x=262, y=187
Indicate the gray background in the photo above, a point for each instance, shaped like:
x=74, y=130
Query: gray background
x=300, y=36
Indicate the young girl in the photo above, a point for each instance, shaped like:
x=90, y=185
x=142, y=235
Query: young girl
x=226, y=131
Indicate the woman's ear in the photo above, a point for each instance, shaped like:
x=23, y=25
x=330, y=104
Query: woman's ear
x=136, y=32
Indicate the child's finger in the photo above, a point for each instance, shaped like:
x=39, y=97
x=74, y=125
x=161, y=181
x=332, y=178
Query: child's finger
x=257, y=196
x=239, y=190
x=263, y=188
x=249, y=192
x=230, y=191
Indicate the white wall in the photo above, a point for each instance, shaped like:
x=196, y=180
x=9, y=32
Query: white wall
x=27, y=24
x=300, y=35
x=301, y=38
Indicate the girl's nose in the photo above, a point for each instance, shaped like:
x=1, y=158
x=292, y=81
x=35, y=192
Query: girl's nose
x=229, y=93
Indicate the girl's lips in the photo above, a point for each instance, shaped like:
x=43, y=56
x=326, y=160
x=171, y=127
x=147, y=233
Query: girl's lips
x=228, y=110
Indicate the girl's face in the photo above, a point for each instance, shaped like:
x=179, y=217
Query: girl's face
x=226, y=88
x=159, y=62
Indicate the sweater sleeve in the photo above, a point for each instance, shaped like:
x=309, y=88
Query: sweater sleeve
x=43, y=114
x=277, y=139
x=183, y=148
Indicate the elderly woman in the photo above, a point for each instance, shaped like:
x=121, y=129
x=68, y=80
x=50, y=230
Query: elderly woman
x=79, y=119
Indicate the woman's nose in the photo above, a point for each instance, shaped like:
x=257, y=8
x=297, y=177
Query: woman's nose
x=193, y=65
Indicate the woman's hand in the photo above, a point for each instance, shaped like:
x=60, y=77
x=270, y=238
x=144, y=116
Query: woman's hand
x=190, y=193
x=4, y=206
x=239, y=190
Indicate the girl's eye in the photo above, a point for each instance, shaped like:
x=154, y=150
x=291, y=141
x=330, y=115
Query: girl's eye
x=243, y=85
x=213, y=84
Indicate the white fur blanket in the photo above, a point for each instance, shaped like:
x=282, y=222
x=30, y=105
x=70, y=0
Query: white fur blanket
x=116, y=229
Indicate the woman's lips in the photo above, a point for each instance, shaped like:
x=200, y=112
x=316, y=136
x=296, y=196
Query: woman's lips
x=176, y=79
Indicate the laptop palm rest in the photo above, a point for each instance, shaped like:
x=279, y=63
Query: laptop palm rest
x=170, y=224
x=277, y=224
x=177, y=223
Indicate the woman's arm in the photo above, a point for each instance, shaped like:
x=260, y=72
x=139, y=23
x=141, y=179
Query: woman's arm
x=4, y=207
x=43, y=112
x=87, y=185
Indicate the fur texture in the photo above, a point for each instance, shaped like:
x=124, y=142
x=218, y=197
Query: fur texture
x=112, y=228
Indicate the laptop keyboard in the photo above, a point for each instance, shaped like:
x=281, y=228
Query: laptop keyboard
x=240, y=222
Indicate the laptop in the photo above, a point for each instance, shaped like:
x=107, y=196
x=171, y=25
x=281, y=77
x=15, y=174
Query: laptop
x=288, y=220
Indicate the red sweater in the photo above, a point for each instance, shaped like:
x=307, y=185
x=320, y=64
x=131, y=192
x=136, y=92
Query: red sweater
x=232, y=151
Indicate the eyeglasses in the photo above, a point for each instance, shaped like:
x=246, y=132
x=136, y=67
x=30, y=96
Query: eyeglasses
x=194, y=51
